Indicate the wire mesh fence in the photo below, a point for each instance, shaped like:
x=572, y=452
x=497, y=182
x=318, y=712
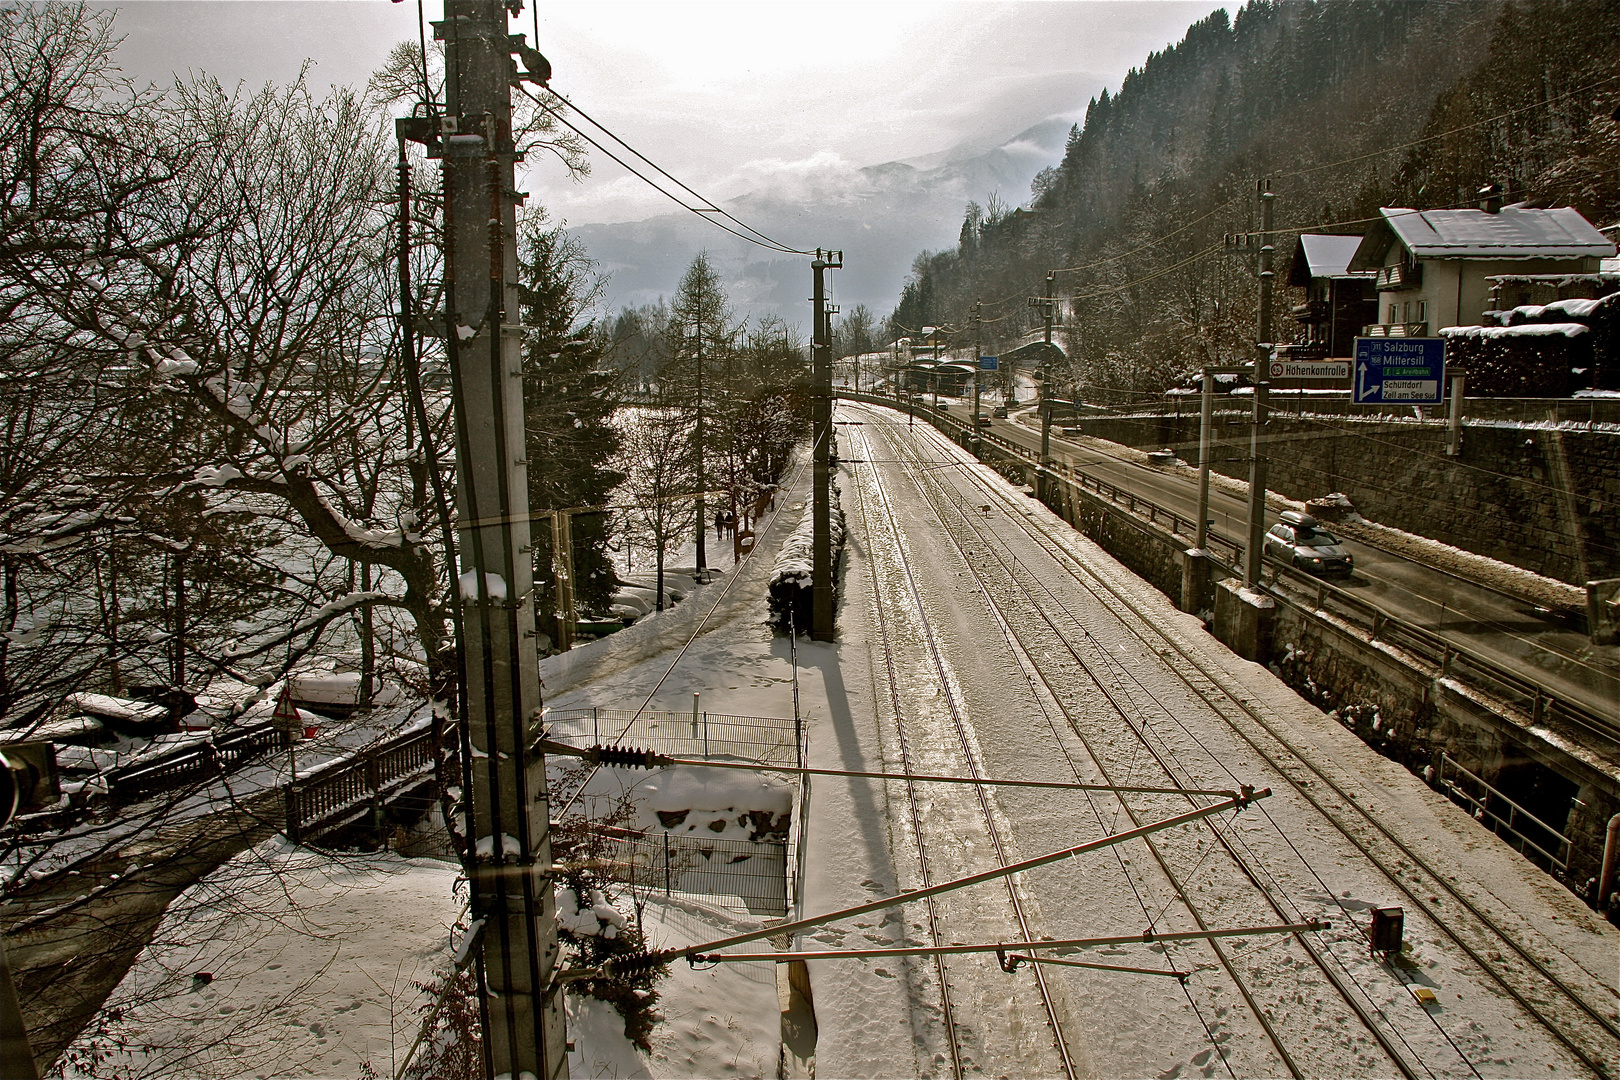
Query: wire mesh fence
x=739, y=875
x=762, y=740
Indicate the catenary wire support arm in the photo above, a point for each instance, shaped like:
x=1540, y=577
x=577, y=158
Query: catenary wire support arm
x=1013, y=953
x=629, y=964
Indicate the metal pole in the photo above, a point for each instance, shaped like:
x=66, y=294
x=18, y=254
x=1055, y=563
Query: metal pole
x=1257, y=490
x=1047, y=305
x=1262, y=354
x=16, y=1057
x=978, y=358
x=1206, y=416
x=821, y=621
x=509, y=810
x=1454, y=424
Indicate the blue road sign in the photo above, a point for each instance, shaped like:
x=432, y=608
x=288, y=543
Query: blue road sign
x=1410, y=371
x=989, y=363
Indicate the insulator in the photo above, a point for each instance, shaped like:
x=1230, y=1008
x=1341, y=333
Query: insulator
x=632, y=965
x=625, y=756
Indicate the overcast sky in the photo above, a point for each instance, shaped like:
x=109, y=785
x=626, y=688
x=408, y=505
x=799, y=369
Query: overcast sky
x=730, y=97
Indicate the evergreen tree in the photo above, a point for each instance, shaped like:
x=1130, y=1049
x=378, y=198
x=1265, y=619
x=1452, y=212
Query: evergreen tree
x=569, y=398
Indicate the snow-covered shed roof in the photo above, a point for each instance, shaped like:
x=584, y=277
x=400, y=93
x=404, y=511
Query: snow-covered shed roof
x=1320, y=255
x=1514, y=232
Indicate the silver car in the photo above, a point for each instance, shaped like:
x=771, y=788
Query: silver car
x=1301, y=541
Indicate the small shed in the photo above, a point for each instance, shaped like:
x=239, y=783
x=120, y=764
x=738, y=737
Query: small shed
x=1338, y=301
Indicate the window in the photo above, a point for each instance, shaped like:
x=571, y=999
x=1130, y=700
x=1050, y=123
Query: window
x=1423, y=311
x=1393, y=314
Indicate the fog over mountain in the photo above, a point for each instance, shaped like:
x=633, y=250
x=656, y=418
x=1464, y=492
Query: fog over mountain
x=880, y=216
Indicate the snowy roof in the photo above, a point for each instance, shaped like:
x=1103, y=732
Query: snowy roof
x=1329, y=256
x=1514, y=232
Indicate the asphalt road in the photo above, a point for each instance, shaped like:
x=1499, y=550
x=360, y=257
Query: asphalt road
x=1512, y=633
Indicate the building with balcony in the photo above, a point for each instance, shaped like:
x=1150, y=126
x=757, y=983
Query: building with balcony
x=1338, y=301
x=1434, y=267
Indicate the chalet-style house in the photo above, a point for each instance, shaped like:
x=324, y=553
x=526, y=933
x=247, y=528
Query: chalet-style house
x=1338, y=301
x=1434, y=267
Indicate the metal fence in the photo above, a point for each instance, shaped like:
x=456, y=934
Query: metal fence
x=747, y=876
x=763, y=740
x=1518, y=826
x=1579, y=412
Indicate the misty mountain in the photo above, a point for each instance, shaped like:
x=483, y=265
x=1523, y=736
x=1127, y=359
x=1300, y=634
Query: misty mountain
x=879, y=216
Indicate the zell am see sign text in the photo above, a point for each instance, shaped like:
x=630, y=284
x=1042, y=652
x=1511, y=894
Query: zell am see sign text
x=1310, y=369
x=1407, y=370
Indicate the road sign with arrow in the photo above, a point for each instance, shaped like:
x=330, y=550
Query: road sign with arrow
x=1408, y=371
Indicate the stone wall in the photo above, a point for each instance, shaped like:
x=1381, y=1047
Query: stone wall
x=1547, y=500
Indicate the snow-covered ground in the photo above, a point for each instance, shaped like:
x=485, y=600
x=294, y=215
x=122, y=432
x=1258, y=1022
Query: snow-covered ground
x=363, y=929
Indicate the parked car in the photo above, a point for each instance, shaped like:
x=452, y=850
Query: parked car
x=999, y=412
x=1300, y=540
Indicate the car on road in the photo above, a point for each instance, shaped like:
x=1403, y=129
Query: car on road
x=999, y=412
x=1300, y=540
x=982, y=420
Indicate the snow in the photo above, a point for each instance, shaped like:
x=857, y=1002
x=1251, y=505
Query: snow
x=493, y=583
x=509, y=844
x=878, y=1017
x=1491, y=333
x=312, y=962
x=116, y=708
x=217, y=475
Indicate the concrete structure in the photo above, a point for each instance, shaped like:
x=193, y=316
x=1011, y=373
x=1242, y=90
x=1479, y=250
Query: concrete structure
x=1433, y=266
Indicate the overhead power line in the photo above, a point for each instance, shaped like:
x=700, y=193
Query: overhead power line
x=706, y=208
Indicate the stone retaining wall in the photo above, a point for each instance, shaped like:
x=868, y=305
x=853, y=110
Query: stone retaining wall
x=1546, y=499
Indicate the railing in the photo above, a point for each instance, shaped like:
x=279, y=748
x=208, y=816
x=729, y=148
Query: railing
x=740, y=875
x=1484, y=806
x=1398, y=276
x=763, y=740
x=1536, y=702
x=1401, y=330
x=1594, y=413
x=339, y=792
x=208, y=760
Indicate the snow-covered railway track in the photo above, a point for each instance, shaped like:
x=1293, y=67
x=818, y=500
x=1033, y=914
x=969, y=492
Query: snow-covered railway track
x=1410, y=1037
x=974, y=1053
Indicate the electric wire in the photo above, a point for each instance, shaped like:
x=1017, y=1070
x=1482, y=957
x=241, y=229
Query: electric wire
x=701, y=212
x=707, y=202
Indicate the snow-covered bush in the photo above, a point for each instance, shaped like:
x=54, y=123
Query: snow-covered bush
x=791, y=580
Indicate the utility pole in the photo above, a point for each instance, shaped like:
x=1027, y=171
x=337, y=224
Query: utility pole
x=978, y=358
x=1206, y=417
x=1048, y=306
x=1262, y=354
x=821, y=583
x=507, y=805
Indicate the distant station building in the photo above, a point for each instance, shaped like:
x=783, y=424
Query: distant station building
x=1434, y=267
x=1338, y=301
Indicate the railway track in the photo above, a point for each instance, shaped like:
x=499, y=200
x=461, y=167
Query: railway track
x=1060, y=654
x=961, y=1057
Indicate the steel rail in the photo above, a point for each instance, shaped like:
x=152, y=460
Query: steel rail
x=968, y=759
x=931, y=911
x=1495, y=974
